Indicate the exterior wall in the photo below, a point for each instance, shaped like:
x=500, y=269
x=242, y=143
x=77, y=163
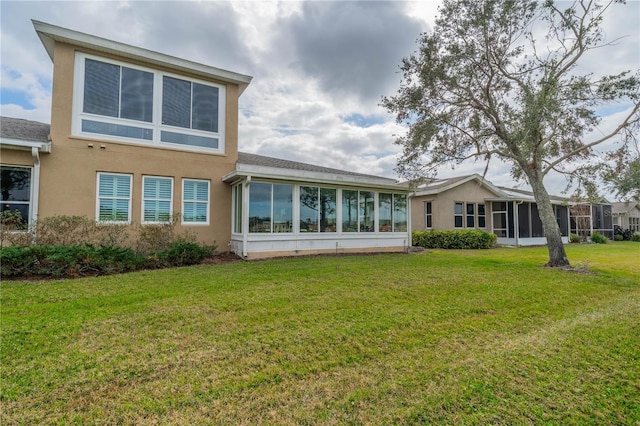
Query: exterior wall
x=69, y=174
x=442, y=205
x=14, y=157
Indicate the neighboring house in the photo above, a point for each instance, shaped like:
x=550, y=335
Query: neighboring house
x=471, y=202
x=139, y=136
x=627, y=215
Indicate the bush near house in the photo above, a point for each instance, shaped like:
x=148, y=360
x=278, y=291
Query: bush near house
x=75, y=246
x=620, y=234
x=458, y=239
x=598, y=238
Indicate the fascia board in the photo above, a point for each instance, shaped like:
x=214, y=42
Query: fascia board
x=25, y=145
x=49, y=34
x=273, y=173
x=476, y=177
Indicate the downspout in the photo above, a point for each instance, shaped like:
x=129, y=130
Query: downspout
x=245, y=217
x=35, y=187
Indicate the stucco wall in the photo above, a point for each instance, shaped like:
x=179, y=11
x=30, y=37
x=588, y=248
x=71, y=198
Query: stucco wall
x=69, y=174
x=442, y=205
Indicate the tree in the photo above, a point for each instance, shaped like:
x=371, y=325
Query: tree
x=497, y=79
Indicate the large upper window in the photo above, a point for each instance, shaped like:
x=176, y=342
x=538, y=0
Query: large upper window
x=113, y=203
x=136, y=104
x=16, y=190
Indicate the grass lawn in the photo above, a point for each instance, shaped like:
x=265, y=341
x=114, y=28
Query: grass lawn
x=448, y=337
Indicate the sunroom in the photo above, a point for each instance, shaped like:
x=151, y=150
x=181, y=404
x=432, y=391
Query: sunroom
x=285, y=208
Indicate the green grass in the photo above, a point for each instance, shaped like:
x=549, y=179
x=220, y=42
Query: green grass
x=443, y=337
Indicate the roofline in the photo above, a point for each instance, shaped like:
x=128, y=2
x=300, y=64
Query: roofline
x=49, y=34
x=469, y=178
x=24, y=145
x=277, y=173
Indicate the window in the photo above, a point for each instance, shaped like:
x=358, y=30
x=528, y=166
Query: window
x=399, y=213
x=270, y=208
x=385, y=204
x=157, y=197
x=428, y=212
x=317, y=209
x=482, y=216
x=136, y=104
x=16, y=190
x=195, y=201
x=114, y=198
x=499, y=210
x=237, y=208
x=366, y=211
x=349, y=211
x=471, y=215
x=457, y=215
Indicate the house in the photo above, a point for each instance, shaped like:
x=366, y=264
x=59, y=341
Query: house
x=140, y=136
x=472, y=202
x=627, y=215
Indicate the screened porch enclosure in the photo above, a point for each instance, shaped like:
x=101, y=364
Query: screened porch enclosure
x=518, y=223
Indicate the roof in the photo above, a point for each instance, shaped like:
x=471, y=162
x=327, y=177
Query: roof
x=624, y=207
x=24, y=130
x=49, y=34
x=258, y=166
x=437, y=186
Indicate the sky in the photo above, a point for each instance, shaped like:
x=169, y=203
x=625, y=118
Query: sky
x=320, y=68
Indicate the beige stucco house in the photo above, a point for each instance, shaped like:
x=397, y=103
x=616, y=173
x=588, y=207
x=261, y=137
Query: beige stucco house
x=627, y=215
x=472, y=202
x=139, y=136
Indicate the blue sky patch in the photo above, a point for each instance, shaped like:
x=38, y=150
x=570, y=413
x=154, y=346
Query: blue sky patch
x=15, y=97
x=362, y=120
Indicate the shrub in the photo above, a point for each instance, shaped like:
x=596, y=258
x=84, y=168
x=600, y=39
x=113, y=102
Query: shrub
x=458, y=239
x=77, y=230
x=598, y=238
x=635, y=237
x=575, y=238
x=626, y=234
x=67, y=261
x=184, y=253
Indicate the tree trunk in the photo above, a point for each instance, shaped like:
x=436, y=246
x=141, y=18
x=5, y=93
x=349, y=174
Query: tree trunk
x=557, y=254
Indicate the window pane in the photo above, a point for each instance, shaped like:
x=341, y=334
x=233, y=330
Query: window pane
x=400, y=213
x=90, y=126
x=205, y=108
x=176, y=102
x=237, y=197
x=471, y=217
x=384, y=212
x=191, y=140
x=349, y=211
x=327, y=210
x=23, y=209
x=136, y=100
x=282, y=208
x=114, y=196
x=157, y=196
x=309, y=209
x=366, y=211
x=260, y=207
x=457, y=208
x=523, y=220
x=101, y=88
x=195, y=203
x=15, y=183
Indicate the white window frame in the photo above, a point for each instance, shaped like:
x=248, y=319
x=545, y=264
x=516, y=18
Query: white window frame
x=142, y=220
x=156, y=125
x=208, y=202
x=98, y=197
x=32, y=193
x=460, y=215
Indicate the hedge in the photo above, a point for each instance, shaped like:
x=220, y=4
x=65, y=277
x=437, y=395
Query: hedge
x=458, y=239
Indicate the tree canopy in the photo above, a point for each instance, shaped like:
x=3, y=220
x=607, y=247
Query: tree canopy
x=498, y=79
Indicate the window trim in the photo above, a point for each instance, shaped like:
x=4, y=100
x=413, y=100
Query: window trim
x=32, y=192
x=156, y=126
x=460, y=215
x=208, y=202
x=129, y=199
x=428, y=216
x=143, y=199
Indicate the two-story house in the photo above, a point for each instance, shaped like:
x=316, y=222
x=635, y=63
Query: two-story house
x=140, y=136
